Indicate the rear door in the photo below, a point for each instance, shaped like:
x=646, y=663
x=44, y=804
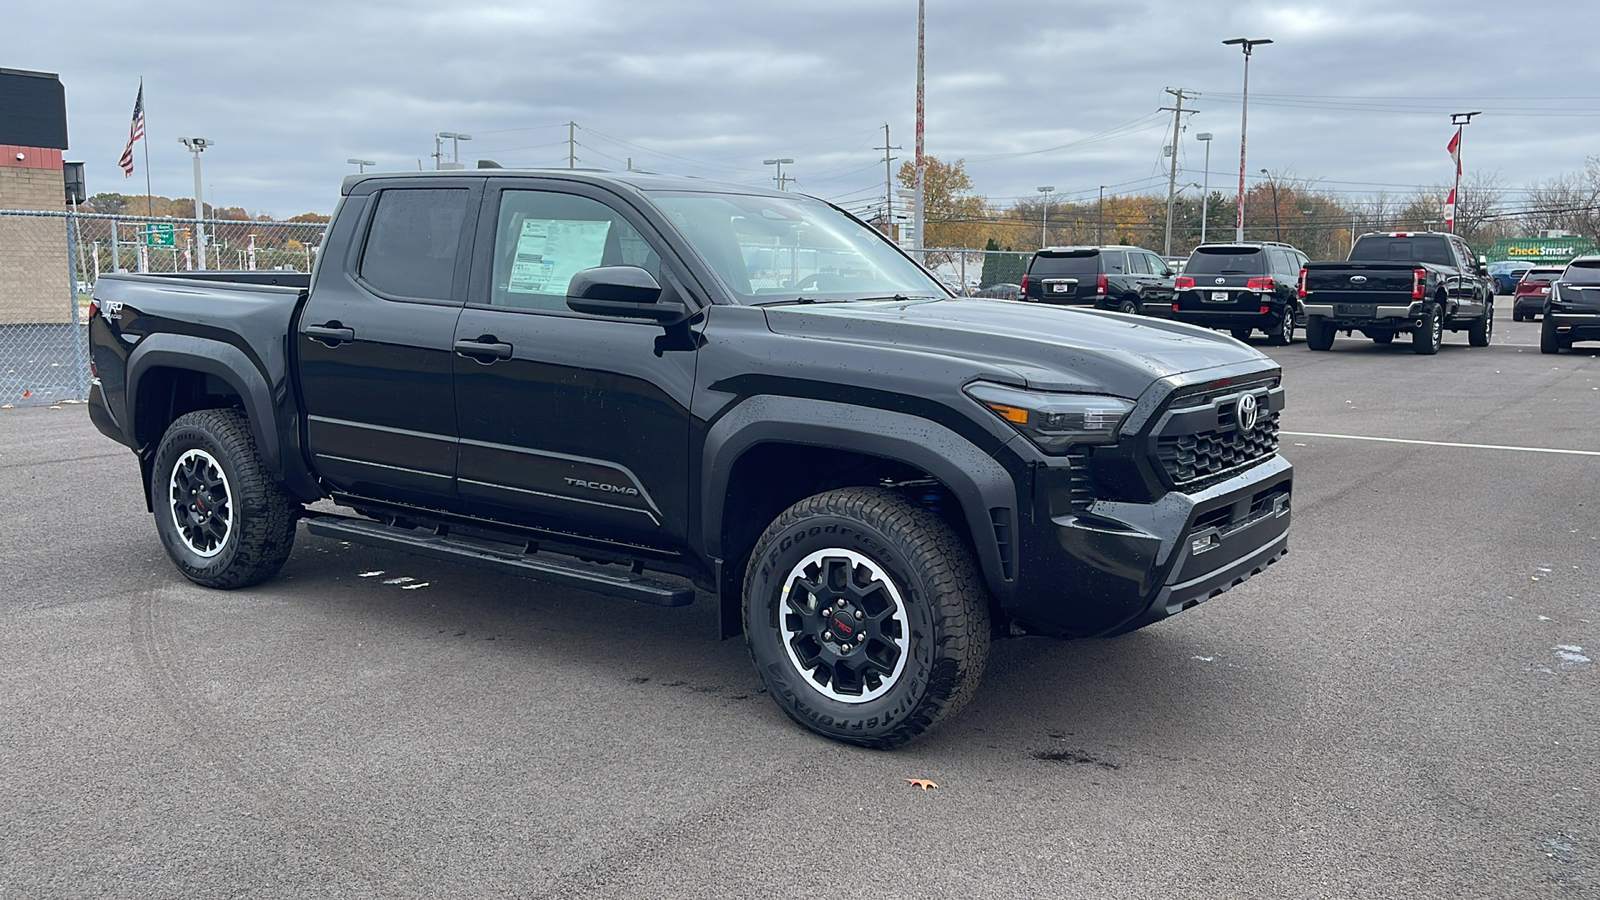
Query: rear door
x=1221, y=279
x=374, y=342
x=570, y=422
x=1068, y=276
x=1469, y=288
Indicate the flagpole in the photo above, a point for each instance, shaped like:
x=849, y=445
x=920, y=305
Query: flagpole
x=149, y=207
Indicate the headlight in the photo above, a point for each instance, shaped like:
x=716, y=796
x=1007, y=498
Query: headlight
x=1055, y=422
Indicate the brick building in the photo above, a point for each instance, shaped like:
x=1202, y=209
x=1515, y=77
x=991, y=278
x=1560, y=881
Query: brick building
x=35, y=279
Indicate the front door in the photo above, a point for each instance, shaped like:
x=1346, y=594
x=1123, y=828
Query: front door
x=374, y=342
x=569, y=422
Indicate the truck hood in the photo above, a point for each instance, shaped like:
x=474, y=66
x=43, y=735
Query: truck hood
x=1045, y=347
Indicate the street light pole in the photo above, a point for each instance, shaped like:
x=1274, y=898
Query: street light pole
x=1460, y=121
x=1205, y=198
x=1044, y=224
x=780, y=163
x=361, y=164
x=1273, y=183
x=1247, y=45
x=197, y=145
x=455, y=148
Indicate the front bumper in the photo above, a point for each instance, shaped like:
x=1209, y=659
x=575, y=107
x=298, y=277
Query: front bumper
x=1117, y=566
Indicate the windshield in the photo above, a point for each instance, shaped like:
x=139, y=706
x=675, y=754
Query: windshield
x=1227, y=261
x=769, y=249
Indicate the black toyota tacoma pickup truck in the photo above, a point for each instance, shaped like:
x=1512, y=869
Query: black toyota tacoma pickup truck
x=643, y=385
x=1417, y=283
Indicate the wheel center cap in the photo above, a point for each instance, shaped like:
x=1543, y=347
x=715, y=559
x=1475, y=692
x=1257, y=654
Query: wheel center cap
x=844, y=626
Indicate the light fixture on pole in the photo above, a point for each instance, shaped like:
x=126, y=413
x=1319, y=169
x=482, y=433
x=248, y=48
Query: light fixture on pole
x=1044, y=224
x=1205, y=197
x=361, y=164
x=1247, y=45
x=778, y=177
x=455, y=147
x=197, y=145
x=1277, y=226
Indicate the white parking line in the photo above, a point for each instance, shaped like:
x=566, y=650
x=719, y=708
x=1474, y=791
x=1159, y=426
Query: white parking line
x=1384, y=440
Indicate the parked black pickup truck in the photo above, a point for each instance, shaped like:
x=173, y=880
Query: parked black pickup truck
x=643, y=385
x=1417, y=283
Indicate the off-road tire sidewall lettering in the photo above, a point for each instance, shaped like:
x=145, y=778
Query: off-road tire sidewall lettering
x=946, y=612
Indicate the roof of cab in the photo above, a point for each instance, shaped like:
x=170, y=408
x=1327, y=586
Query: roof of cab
x=635, y=181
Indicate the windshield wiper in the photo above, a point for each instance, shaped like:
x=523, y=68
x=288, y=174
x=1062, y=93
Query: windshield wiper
x=899, y=298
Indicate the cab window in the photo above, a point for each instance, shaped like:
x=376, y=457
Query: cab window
x=543, y=238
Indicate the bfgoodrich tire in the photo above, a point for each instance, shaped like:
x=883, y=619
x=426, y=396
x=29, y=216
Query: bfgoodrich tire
x=865, y=617
x=224, y=522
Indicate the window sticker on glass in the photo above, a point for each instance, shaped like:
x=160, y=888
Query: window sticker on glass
x=551, y=251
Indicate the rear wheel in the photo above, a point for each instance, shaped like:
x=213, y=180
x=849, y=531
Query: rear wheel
x=865, y=617
x=1282, y=331
x=1129, y=307
x=1240, y=334
x=1482, y=329
x=1516, y=314
x=1429, y=334
x=1549, y=341
x=222, y=519
x=1319, y=333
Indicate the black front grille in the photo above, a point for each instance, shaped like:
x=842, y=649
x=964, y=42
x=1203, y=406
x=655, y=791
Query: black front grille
x=1195, y=457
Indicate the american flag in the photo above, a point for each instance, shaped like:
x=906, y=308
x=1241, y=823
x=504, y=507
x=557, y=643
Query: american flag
x=135, y=132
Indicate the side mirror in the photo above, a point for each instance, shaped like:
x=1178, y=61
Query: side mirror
x=621, y=292
x=1483, y=268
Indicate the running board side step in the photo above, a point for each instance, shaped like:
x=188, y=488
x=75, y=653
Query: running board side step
x=556, y=570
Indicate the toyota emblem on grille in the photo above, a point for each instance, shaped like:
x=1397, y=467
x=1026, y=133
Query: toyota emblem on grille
x=1222, y=281
x=1246, y=413
x=1358, y=279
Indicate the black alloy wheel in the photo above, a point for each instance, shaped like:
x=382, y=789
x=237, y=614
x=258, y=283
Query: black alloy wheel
x=221, y=518
x=1282, y=333
x=865, y=617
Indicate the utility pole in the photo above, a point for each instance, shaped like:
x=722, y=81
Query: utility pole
x=1100, y=218
x=888, y=184
x=572, y=145
x=922, y=162
x=1172, y=169
x=1044, y=223
x=438, y=151
x=779, y=177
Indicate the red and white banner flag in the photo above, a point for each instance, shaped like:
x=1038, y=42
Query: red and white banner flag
x=1454, y=148
x=135, y=132
x=1450, y=210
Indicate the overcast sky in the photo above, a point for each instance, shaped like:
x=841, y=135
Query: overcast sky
x=1354, y=93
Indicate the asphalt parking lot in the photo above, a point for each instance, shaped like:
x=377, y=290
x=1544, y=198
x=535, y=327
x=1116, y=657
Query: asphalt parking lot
x=1405, y=707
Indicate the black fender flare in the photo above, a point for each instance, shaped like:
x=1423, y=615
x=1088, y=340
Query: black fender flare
x=986, y=491
x=210, y=357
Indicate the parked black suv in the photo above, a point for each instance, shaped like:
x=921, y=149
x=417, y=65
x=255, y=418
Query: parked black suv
x=1240, y=287
x=1119, y=278
x=1572, y=312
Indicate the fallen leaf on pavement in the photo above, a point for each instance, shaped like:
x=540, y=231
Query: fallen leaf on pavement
x=921, y=783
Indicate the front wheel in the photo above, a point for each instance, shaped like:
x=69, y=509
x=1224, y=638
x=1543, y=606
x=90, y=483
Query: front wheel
x=1319, y=333
x=865, y=617
x=1482, y=329
x=1429, y=335
x=222, y=519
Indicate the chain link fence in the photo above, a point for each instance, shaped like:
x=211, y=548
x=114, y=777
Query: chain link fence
x=50, y=261
x=971, y=272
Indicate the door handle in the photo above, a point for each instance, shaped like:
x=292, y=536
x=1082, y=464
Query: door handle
x=484, y=349
x=331, y=333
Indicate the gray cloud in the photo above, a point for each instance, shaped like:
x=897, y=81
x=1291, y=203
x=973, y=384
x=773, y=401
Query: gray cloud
x=1355, y=93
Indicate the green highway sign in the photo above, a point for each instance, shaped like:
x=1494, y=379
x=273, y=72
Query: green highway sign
x=158, y=234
